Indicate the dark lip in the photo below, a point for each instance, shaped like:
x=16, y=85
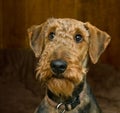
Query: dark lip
x=59, y=76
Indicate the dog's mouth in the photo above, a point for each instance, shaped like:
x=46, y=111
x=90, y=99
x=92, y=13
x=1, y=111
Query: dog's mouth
x=58, y=76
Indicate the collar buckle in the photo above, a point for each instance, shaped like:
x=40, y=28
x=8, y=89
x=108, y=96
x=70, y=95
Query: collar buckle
x=59, y=106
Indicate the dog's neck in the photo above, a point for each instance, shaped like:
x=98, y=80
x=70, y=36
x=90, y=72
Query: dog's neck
x=66, y=103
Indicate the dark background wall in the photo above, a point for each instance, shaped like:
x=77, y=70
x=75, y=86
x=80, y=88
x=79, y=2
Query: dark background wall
x=17, y=15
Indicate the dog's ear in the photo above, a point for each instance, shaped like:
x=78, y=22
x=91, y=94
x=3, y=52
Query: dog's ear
x=36, y=41
x=99, y=40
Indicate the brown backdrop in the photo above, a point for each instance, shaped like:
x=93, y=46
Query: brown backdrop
x=17, y=15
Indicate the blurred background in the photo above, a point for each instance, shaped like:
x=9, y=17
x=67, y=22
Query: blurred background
x=19, y=90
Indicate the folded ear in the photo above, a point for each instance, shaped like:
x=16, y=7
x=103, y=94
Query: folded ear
x=36, y=41
x=99, y=40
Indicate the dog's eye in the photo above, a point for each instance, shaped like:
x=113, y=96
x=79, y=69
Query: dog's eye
x=51, y=35
x=78, y=38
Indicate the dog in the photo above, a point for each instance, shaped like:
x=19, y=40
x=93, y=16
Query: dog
x=64, y=48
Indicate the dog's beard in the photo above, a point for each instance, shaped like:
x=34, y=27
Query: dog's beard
x=60, y=87
x=65, y=86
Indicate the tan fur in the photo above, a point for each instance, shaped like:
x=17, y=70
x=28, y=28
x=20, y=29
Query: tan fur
x=64, y=47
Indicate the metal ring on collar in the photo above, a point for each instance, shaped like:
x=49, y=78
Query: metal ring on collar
x=58, y=106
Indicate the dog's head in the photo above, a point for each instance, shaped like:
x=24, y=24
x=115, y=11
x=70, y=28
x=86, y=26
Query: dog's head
x=63, y=47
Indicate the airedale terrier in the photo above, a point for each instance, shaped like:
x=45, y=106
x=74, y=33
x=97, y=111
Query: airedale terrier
x=64, y=47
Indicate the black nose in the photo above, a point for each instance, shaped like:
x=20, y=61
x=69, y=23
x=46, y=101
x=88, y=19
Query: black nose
x=58, y=66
